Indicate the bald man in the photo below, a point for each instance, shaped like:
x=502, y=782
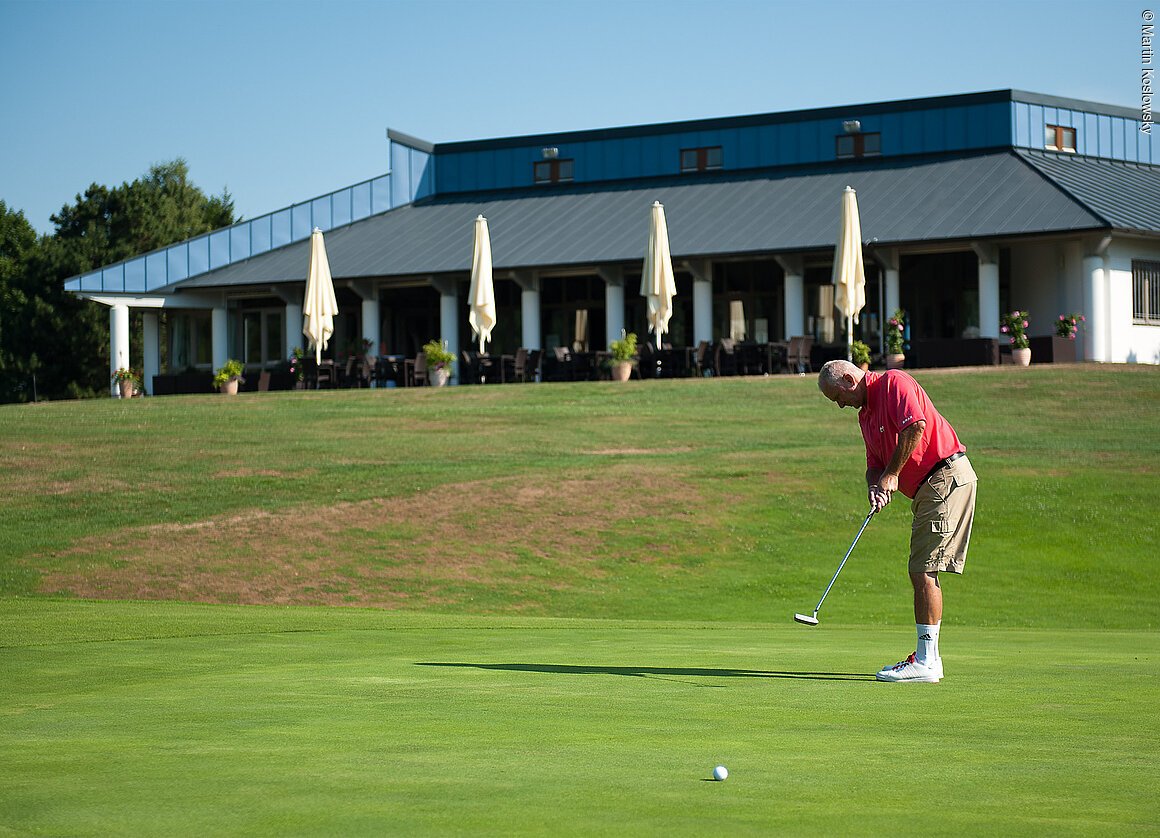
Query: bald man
x=911, y=449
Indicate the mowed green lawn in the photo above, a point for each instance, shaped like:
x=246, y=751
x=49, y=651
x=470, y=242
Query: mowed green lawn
x=565, y=605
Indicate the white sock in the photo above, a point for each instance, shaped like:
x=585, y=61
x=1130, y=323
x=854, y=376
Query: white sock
x=927, y=650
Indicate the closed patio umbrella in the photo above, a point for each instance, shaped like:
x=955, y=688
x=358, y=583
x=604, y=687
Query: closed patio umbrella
x=849, y=271
x=657, y=284
x=481, y=296
x=320, y=307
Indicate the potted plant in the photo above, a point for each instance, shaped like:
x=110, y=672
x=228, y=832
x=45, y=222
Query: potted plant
x=127, y=381
x=1014, y=325
x=439, y=362
x=228, y=376
x=623, y=356
x=1063, y=341
x=895, y=329
x=297, y=368
x=860, y=354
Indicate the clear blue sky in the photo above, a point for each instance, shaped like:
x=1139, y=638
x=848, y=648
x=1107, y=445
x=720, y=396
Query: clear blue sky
x=282, y=100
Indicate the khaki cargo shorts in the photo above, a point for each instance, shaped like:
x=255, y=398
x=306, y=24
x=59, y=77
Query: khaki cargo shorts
x=944, y=510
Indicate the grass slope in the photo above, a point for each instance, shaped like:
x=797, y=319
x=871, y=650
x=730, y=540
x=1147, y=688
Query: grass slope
x=697, y=499
x=130, y=719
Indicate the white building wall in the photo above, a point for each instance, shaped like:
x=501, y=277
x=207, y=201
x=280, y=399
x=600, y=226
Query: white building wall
x=1129, y=343
x=1047, y=281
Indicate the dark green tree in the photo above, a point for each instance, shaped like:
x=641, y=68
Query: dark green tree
x=67, y=338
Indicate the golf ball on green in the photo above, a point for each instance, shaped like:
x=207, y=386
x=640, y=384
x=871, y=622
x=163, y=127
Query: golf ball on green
x=720, y=772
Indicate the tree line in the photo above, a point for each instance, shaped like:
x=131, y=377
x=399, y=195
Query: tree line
x=54, y=345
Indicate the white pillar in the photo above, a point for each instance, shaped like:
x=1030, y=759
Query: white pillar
x=219, y=326
x=794, y=295
x=1095, y=296
x=449, y=322
x=118, y=342
x=370, y=324
x=989, y=299
x=293, y=330
x=893, y=301
x=702, y=271
x=151, y=362
x=613, y=302
x=531, y=334
x=702, y=310
x=988, y=289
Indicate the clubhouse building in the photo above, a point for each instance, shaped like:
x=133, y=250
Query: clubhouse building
x=971, y=205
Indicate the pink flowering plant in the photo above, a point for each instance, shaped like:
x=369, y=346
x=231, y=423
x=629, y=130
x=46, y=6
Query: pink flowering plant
x=895, y=327
x=296, y=369
x=1067, y=326
x=1014, y=325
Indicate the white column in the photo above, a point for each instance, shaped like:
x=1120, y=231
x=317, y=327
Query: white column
x=1095, y=295
x=118, y=341
x=293, y=330
x=988, y=289
x=219, y=325
x=449, y=322
x=151, y=362
x=794, y=295
x=370, y=324
x=702, y=271
x=893, y=302
x=613, y=302
x=531, y=334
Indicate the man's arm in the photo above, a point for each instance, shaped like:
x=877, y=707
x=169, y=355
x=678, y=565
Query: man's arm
x=887, y=482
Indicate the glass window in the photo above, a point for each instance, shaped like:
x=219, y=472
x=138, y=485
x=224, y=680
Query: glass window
x=701, y=159
x=1146, y=292
x=858, y=145
x=552, y=171
x=1058, y=138
x=274, y=344
x=202, y=341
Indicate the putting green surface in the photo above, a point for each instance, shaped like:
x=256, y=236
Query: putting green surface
x=162, y=718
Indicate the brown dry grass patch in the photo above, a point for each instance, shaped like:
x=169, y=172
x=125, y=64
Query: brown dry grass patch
x=421, y=549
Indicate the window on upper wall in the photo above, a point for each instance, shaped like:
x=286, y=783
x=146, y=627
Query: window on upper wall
x=701, y=159
x=1058, y=138
x=1146, y=292
x=553, y=171
x=859, y=145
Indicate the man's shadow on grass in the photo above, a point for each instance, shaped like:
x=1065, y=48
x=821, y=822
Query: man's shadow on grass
x=662, y=672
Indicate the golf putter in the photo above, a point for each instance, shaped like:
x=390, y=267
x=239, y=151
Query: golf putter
x=813, y=621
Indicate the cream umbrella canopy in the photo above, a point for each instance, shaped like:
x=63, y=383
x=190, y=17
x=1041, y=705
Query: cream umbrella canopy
x=849, y=271
x=320, y=306
x=481, y=296
x=657, y=284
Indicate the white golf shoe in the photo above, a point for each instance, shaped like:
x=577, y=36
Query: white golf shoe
x=910, y=670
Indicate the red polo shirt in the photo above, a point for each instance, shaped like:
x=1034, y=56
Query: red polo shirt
x=895, y=401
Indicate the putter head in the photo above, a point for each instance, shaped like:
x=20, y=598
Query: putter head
x=809, y=621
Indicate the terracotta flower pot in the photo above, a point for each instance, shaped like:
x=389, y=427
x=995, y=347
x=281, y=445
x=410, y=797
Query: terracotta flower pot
x=230, y=388
x=621, y=370
x=126, y=388
x=895, y=360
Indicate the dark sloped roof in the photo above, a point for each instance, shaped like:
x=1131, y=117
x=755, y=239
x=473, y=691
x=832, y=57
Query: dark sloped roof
x=1125, y=195
x=948, y=199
